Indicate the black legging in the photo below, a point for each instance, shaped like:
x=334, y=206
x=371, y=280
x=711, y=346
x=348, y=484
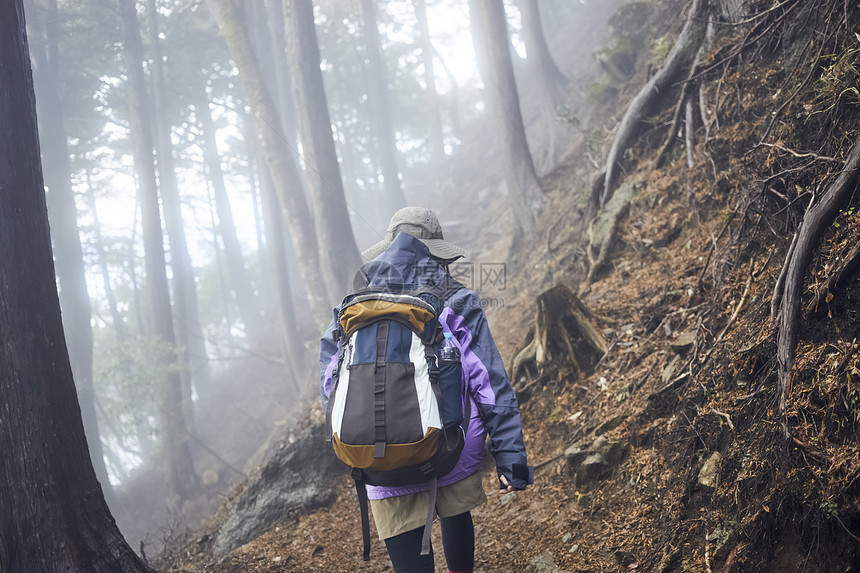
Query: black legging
x=458, y=540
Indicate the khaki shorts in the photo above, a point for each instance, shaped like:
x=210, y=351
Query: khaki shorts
x=396, y=515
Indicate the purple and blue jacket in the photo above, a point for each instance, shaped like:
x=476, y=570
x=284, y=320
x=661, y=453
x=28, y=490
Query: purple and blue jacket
x=493, y=403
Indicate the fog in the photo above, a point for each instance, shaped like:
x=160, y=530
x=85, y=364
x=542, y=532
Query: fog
x=205, y=219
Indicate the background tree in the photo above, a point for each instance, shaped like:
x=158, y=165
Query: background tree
x=182, y=480
x=46, y=474
x=492, y=49
x=189, y=335
x=551, y=82
x=383, y=130
x=338, y=252
x=434, y=137
x=281, y=167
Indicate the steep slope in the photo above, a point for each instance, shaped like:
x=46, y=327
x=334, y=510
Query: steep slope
x=673, y=453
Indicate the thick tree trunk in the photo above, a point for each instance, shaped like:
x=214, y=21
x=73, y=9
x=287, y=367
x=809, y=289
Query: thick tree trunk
x=383, y=131
x=54, y=514
x=194, y=361
x=492, y=47
x=434, y=132
x=74, y=297
x=338, y=253
x=237, y=273
x=677, y=63
x=182, y=481
x=277, y=158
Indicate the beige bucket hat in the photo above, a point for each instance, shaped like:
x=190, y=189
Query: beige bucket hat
x=422, y=224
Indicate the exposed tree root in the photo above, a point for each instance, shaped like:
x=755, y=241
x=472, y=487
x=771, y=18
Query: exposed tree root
x=679, y=60
x=816, y=220
x=607, y=245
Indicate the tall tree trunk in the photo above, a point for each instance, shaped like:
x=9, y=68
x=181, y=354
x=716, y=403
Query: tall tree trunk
x=116, y=316
x=551, y=81
x=546, y=70
x=189, y=334
x=282, y=168
x=434, y=135
x=276, y=249
x=54, y=512
x=74, y=297
x=492, y=47
x=338, y=253
x=274, y=23
x=237, y=273
x=182, y=481
x=383, y=131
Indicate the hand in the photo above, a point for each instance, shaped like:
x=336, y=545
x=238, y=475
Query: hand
x=508, y=489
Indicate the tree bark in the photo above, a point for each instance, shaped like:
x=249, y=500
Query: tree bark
x=194, y=361
x=182, y=481
x=678, y=62
x=338, y=253
x=434, y=132
x=281, y=167
x=74, y=297
x=55, y=515
x=383, y=131
x=492, y=47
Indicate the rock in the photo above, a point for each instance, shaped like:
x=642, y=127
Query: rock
x=669, y=371
x=544, y=563
x=684, y=342
x=609, y=424
x=724, y=538
x=566, y=537
x=595, y=462
x=301, y=475
x=709, y=475
x=612, y=452
x=625, y=558
x=575, y=454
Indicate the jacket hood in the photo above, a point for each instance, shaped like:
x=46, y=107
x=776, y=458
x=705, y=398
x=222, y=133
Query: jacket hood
x=406, y=262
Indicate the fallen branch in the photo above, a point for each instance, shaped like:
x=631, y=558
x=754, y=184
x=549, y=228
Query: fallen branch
x=731, y=321
x=714, y=248
x=799, y=154
x=723, y=415
x=816, y=220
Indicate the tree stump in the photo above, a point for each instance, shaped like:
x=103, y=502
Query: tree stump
x=563, y=337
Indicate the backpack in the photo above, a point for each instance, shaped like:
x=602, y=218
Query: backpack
x=395, y=416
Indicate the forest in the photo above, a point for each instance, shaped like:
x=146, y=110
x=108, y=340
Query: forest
x=659, y=203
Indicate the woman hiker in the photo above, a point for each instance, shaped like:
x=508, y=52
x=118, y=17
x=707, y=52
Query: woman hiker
x=414, y=250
